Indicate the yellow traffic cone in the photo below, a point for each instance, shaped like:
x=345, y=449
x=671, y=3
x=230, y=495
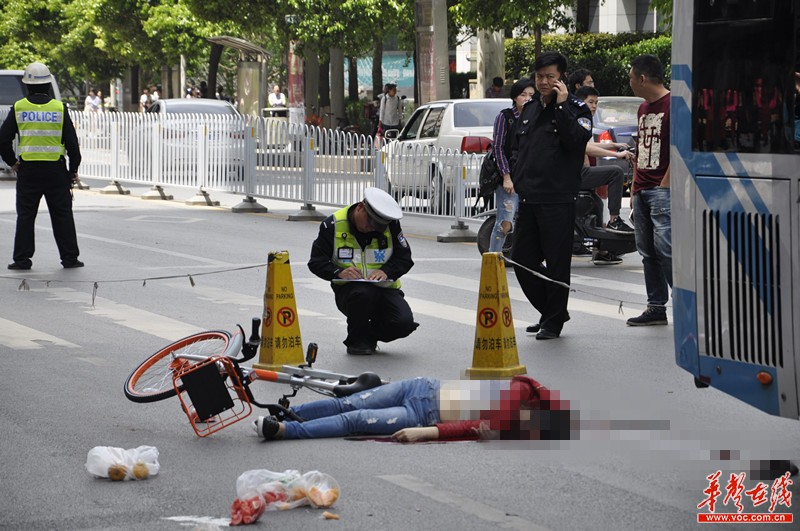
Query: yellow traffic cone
x=495, y=352
x=280, y=330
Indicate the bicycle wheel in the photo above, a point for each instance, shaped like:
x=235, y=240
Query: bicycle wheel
x=152, y=380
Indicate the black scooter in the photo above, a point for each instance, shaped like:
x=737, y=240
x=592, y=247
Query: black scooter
x=588, y=229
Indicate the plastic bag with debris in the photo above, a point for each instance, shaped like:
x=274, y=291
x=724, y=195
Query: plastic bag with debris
x=118, y=464
x=258, y=491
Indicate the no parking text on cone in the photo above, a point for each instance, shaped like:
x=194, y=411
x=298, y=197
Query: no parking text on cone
x=280, y=329
x=495, y=351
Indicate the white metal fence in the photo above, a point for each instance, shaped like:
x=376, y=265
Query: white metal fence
x=271, y=158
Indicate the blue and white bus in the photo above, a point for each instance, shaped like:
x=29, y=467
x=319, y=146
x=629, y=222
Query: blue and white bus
x=735, y=170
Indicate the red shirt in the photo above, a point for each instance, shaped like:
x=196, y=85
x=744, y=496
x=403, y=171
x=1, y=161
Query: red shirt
x=652, y=145
x=523, y=391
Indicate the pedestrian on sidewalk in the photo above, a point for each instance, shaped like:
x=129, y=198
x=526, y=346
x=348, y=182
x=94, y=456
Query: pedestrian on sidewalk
x=46, y=133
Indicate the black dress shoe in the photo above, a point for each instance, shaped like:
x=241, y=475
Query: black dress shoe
x=361, y=350
x=20, y=266
x=70, y=264
x=544, y=333
x=534, y=328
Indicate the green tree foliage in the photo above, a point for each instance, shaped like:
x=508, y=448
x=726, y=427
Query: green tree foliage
x=29, y=31
x=664, y=10
x=96, y=40
x=531, y=17
x=607, y=56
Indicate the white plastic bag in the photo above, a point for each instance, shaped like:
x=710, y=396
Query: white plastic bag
x=289, y=489
x=118, y=464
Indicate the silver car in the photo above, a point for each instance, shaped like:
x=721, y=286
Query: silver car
x=615, y=121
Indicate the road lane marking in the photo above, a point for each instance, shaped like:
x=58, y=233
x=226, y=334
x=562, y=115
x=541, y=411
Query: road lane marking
x=124, y=315
x=432, y=309
x=147, y=248
x=231, y=298
x=472, y=285
x=20, y=337
x=462, y=503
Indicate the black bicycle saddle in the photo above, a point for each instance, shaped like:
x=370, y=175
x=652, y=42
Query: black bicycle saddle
x=365, y=380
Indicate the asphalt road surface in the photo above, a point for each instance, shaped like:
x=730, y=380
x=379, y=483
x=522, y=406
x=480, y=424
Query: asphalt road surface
x=70, y=338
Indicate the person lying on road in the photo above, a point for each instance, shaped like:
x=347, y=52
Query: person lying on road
x=423, y=409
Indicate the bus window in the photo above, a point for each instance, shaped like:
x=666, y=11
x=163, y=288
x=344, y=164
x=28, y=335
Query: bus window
x=744, y=57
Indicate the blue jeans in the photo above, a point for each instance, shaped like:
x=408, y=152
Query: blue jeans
x=652, y=219
x=380, y=411
x=506, y=210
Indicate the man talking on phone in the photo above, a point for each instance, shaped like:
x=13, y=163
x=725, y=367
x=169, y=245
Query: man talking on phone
x=547, y=157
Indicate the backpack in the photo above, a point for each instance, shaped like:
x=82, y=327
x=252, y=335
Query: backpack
x=489, y=178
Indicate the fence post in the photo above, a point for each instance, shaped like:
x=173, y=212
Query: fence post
x=459, y=232
x=156, y=191
x=114, y=187
x=379, y=164
x=307, y=212
x=202, y=197
x=249, y=204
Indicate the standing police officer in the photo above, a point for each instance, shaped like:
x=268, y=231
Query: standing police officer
x=548, y=149
x=45, y=134
x=362, y=251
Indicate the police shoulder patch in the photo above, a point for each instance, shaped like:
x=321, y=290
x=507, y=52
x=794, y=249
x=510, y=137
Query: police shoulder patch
x=585, y=123
x=402, y=240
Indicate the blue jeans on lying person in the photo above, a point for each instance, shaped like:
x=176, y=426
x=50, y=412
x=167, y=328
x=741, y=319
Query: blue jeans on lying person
x=379, y=411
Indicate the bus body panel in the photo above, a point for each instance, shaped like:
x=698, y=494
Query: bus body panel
x=735, y=226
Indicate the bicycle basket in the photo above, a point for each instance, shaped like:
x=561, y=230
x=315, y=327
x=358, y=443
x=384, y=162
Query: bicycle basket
x=213, y=396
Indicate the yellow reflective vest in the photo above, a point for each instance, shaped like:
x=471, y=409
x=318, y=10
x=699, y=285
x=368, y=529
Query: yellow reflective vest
x=348, y=252
x=40, y=130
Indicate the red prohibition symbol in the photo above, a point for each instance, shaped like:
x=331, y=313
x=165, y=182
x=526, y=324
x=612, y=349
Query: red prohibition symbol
x=487, y=318
x=507, y=316
x=268, y=318
x=285, y=316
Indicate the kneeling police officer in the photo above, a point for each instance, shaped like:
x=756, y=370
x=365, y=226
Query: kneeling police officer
x=362, y=251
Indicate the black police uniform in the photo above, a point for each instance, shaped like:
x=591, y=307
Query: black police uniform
x=547, y=151
x=373, y=313
x=50, y=179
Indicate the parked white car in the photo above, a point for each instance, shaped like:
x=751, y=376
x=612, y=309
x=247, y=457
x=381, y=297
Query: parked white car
x=442, y=142
x=188, y=131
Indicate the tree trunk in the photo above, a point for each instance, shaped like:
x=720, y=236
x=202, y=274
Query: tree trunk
x=352, y=79
x=537, y=41
x=582, y=16
x=213, y=67
x=377, y=68
x=324, y=84
x=135, y=89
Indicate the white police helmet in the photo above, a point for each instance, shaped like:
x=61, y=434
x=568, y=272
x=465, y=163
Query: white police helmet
x=381, y=207
x=36, y=74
